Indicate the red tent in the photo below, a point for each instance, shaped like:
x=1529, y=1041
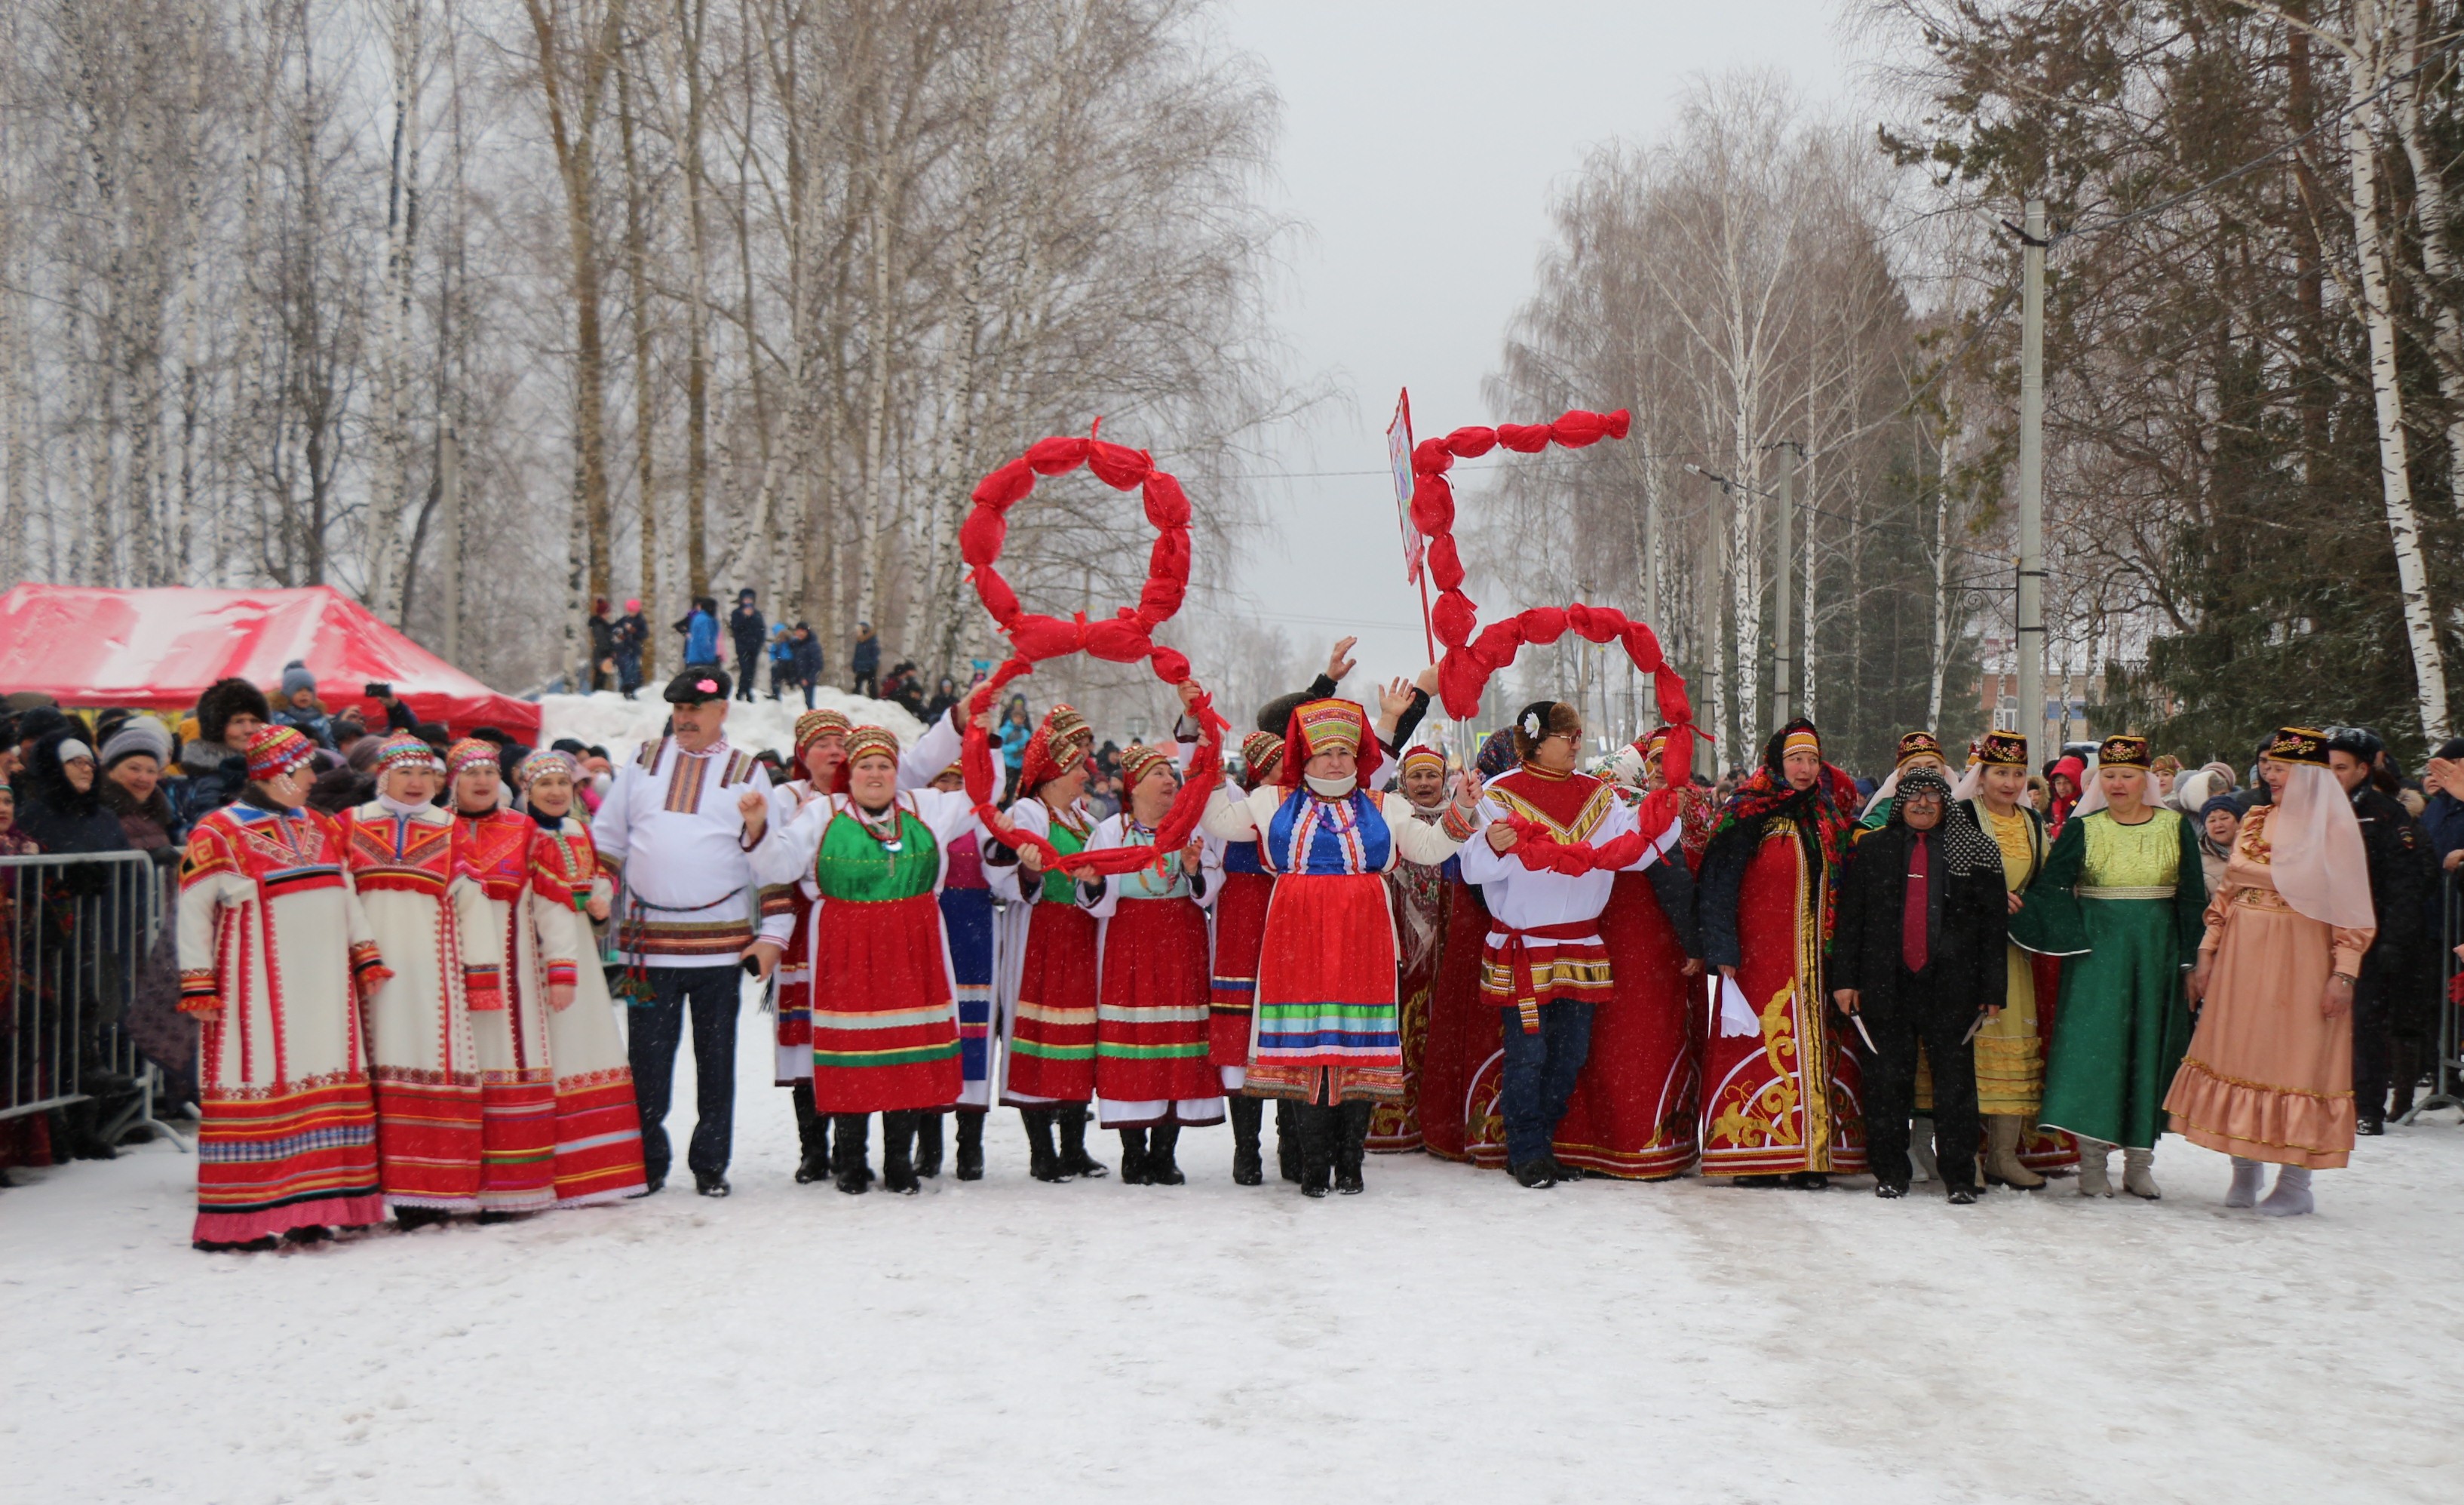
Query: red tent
x=158, y=651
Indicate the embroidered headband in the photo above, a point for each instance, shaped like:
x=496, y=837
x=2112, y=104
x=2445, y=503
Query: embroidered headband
x=1329, y=726
x=2298, y=744
x=1260, y=752
x=1423, y=758
x=1918, y=744
x=402, y=750
x=2003, y=750
x=547, y=760
x=1801, y=742
x=467, y=753
x=814, y=725
x=864, y=740
x=2121, y=752
x=277, y=751
x=1138, y=760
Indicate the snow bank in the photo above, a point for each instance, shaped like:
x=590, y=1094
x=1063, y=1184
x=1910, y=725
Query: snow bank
x=608, y=719
x=1446, y=1336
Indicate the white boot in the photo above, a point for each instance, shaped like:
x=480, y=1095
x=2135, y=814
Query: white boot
x=2002, y=1154
x=1922, y=1165
x=2291, y=1197
x=2094, y=1181
x=2247, y=1176
x=2137, y=1178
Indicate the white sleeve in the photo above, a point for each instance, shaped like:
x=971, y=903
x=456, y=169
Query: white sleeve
x=783, y=856
x=934, y=751
x=609, y=828
x=1010, y=880
x=1210, y=864
x=1240, y=819
x=1424, y=842
x=948, y=813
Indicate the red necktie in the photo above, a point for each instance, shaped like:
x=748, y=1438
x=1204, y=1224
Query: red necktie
x=1912, y=917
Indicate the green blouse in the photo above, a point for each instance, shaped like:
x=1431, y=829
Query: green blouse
x=2097, y=858
x=856, y=864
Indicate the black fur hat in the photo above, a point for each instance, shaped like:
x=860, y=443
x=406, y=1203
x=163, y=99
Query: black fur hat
x=224, y=699
x=1275, y=716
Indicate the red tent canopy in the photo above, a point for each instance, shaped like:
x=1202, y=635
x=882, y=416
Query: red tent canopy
x=159, y=649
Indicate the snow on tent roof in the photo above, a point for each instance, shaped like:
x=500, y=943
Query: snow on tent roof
x=158, y=649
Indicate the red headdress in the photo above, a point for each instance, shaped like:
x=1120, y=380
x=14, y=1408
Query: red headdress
x=1328, y=725
x=1055, y=748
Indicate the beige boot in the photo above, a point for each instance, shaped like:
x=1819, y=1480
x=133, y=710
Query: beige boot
x=2137, y=1175
x=2002, y=1168
x=2093, y=1178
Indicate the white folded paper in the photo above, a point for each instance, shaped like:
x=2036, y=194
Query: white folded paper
x=1736, y=1015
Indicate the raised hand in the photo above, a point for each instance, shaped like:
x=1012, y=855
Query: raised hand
x=1339, y=662
x=1394, y=699
x=754, y=811
x=1190, y=690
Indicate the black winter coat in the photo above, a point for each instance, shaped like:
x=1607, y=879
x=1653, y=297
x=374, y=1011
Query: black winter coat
x=1967, y=929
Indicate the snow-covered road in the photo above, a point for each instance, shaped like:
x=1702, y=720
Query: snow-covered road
x=1446, y=1336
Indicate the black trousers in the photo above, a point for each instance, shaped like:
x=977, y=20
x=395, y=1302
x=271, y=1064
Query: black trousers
x=651, y=1045
x=1915, y=1011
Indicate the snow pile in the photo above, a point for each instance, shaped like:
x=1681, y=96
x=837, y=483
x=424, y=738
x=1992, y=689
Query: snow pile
x=1446, y=1336
x=608, y=719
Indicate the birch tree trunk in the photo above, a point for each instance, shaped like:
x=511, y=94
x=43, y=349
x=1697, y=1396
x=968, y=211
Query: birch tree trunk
x=1939, y=665
x=2395, y=475
x=2438, y=254
x=637, y=270
x=390, y=489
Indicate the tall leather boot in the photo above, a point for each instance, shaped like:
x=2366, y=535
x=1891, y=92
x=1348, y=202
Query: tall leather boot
x=1248, y=1116
x=898, y=1152
x=970, y=1145
x=812, y=1136
x=1133, y=1157
x=1043, y=1160
x=2002, y=1168
x=1159, y=1166
x=1288, y=1138
x=847, y=1156
x=927, y=1144
x=2094, y=1179
x=1351, y=1145
x=1074, y=1160
x=1318, y=1128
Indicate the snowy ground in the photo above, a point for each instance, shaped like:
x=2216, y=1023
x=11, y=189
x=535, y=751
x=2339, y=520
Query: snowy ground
x=1446, y=1336
x=609, y=721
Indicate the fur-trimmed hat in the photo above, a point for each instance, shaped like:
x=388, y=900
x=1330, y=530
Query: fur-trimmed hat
x=224, y=699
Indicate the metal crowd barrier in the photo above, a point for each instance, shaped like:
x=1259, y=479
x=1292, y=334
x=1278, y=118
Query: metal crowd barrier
x=2449, y=1092
x=77, y=932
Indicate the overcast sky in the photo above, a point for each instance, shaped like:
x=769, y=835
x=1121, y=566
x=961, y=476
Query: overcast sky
x=1421, y=143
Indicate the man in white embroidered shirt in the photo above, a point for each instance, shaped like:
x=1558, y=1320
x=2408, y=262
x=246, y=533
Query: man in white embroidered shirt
x=687, y=920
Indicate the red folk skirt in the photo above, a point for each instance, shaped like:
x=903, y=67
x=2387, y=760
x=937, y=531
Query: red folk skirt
x=1634, y=1105
x=1232, y=995
x=1327, y=1031
x=1051, y=1048
x=793, y=1031
x=1461, y=1057
x=1150, y=1016
x=886, y=1037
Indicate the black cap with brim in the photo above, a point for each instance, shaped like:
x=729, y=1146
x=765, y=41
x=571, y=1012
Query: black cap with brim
x=699, y=682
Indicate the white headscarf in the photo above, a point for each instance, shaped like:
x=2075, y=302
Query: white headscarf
x=2315, y=853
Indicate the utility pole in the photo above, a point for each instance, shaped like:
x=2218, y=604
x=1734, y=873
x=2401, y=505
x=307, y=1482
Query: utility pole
x=1783, y=661
x=449, y=484
x=2033, y=719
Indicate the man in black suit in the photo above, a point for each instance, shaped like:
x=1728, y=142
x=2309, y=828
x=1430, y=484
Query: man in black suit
x=1917, y=957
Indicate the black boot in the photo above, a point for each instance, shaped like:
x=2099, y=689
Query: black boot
x=1043, y=1160
x=897, y=1152
x=1159, y=1167
x=2406, y=1079
x=1288, y=1138
x=1133, y=1157
x=1248, y=1115
x=928, y=1145
x=812, y=1137
x=1350, y=1147
x=847, y=1165
x=1318, y=1128
x=970, y=1145
x=410, y=1218
x=1074, y=1159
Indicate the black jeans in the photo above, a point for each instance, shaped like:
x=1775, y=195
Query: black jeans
x=2373, y=1029
x=867, y=682
x=1915, y=1011
x=651, y=1046
x=1539, y=1075
x=748, y=671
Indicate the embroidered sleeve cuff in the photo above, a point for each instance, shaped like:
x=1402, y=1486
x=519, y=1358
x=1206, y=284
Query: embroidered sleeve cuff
x=1455, y=825
x=483, y=988
x=368, y=969
x=561, y=974
x=198, y=994
x=778, y=899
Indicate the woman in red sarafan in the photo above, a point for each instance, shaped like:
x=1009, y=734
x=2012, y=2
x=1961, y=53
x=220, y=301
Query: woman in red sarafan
x=598, y=1125
x=1780, y=1094
x=275, y=961
x=536, y=968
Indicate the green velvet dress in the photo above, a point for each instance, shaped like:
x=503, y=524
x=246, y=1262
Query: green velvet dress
x=2125, y=904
